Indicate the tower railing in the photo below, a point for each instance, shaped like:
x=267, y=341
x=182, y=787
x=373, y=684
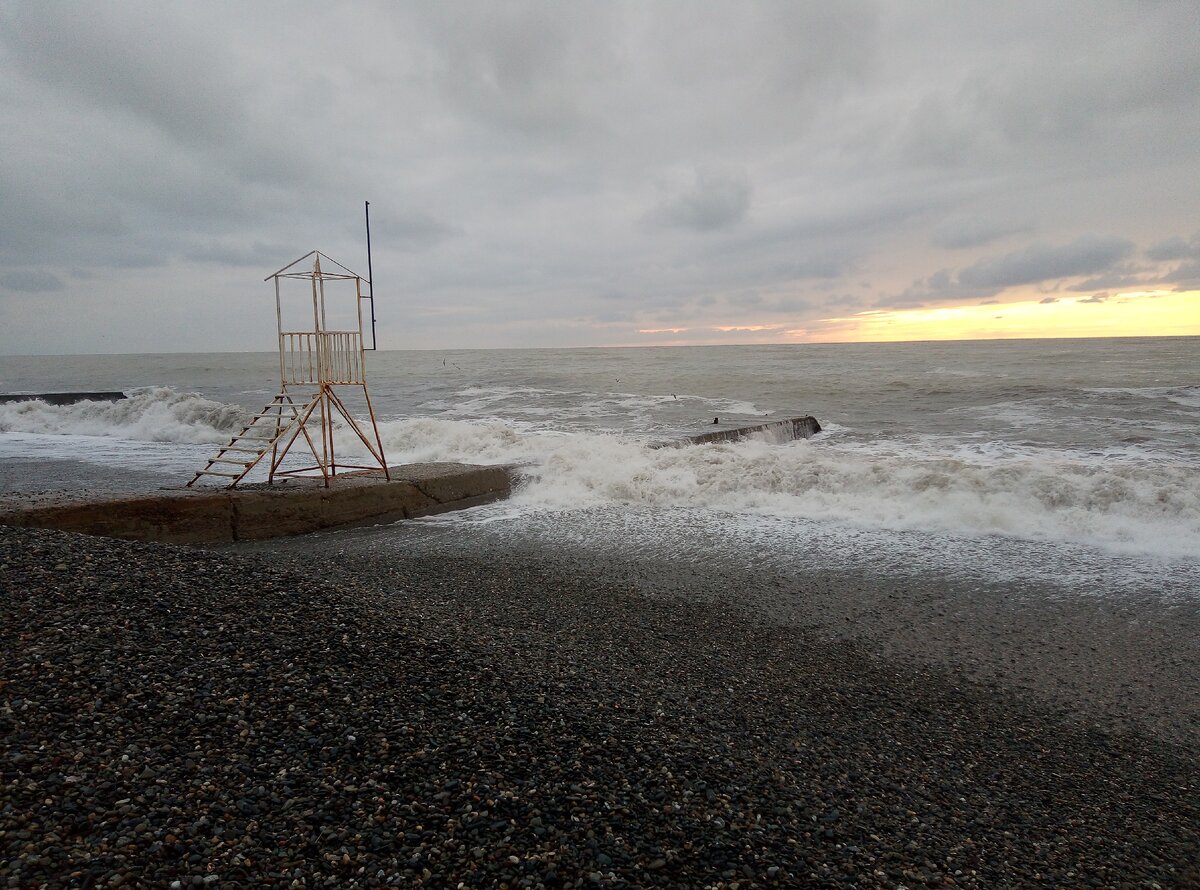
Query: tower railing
x=314, y=357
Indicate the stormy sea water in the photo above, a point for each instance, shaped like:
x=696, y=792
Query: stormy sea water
x=1070, y=464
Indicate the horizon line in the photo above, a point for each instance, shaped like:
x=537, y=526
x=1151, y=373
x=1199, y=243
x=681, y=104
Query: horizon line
x=632, y=345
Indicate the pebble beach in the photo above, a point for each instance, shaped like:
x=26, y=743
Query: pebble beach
x=179, y=717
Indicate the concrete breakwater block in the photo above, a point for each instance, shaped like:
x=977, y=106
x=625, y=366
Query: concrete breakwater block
x=293, y=507
x=785, y=430
x=62, y=398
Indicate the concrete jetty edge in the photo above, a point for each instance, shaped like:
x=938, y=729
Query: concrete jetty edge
x=294, y=507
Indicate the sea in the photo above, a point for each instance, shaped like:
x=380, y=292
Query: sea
x=1072, y=464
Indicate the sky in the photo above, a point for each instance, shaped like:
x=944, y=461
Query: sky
x=600, y=173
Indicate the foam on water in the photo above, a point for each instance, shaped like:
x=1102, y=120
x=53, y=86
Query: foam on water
x=587, y=410
x=1123, y=498
x=1186, y=396
x=1058, y=451
x=1118, y=500
x=150, y=414
x=107, y=450
x=798, y=546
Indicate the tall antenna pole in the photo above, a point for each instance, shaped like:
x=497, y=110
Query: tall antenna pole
x=370, y=275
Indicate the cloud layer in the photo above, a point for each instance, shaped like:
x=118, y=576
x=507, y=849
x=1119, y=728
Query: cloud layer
x=569, y=174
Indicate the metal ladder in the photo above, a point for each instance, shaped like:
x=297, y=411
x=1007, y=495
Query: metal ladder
x=264, y=431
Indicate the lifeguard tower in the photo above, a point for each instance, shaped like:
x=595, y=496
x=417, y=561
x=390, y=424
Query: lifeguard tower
x=317, y=366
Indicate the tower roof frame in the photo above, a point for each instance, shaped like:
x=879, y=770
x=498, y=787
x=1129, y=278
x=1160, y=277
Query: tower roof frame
x=309, y=273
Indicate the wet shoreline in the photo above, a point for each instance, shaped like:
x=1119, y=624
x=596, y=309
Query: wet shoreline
x=1120, y=659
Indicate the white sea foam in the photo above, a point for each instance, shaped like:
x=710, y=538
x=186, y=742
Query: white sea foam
x=1129, y=506
x=1125, y=497
x=150, y=414
x=583, y=409
x=991, y=374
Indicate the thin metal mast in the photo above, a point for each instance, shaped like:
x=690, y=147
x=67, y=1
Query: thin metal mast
x=370, y=275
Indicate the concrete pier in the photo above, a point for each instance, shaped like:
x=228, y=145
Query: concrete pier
x=293, y=507
x=62, y=398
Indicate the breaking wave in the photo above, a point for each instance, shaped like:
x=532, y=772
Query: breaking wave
x=150, y=414
x=1127, y=499
x=1129, y=506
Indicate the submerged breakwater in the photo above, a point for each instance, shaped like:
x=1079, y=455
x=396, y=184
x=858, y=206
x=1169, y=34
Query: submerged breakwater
x=776, y=431
x=61, y=398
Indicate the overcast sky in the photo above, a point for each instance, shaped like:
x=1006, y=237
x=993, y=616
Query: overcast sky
x=560, y=174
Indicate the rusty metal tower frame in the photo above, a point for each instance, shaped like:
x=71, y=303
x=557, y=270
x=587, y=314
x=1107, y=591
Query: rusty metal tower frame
x=314, y=363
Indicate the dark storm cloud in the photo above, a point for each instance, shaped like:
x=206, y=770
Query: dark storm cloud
x=139, y=142
x=1185, y=253
x=1175, y=249
x=733, y=164
x=714, y=200
x=1093, y=67
x=1124, y=275
x=30, y=281
x=958, y=234
x=159, y=74
x=1038, y=264
x=1185, y=277
x=1044, y=262
x=519, y=67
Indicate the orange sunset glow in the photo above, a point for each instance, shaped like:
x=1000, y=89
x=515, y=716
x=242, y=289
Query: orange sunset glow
x=1149, y=313
x=1133, y=314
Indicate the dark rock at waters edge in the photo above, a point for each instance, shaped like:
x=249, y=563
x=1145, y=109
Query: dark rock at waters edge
x=172, y=715
x=784, y=430
x=62, y=398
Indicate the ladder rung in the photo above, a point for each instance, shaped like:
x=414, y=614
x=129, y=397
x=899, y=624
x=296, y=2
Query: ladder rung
x=257, y=438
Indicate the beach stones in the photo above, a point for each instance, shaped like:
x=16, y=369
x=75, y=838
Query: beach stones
x=193, y=719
